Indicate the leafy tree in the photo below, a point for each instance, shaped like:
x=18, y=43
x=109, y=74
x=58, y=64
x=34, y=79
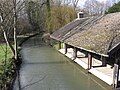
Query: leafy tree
x=35, y=15
x=60, y=15
x=48, y=5
x=114, y=8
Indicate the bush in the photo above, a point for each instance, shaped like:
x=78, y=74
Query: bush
x=114, y=8
x=6, y=74
x=6, y=67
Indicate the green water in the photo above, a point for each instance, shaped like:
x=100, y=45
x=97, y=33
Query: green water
x=44, y=68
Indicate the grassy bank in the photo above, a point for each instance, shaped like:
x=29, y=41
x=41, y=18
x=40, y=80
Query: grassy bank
x=6, y=66
x=56, y=46
x=3, y=49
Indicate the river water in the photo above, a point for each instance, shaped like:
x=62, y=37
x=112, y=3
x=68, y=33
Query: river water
x=44, y=68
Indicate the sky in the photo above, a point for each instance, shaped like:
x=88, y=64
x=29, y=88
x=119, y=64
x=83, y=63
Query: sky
x=81, y=2
x=101, y=0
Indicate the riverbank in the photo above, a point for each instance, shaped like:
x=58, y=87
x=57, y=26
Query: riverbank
x=6, y=67
x=103, y=73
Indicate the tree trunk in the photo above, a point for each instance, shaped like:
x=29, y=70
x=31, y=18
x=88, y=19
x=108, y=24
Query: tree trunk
x=15, y=28
x=6, y=40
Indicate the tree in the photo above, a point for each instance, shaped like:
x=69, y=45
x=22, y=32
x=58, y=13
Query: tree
x=94, y=7
x=114, y=8
x=6, y=15
x=48, y=5
x=75, y=3
x=9, y=12
x=35, y=13
x=60, y=15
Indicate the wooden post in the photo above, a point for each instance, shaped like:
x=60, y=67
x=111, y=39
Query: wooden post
x=86, y=54
x=89, y=61
x=103, y=61
x=115, y=75
x=66, y=48
x=75, y=52
x=59, y=45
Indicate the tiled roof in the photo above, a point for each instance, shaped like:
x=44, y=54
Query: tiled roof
x=59, y=34
x=102, y=36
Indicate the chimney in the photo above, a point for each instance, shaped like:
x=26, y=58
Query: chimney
x=80, y=15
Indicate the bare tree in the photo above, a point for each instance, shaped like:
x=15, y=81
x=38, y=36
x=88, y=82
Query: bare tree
x=94, y=7
x=75, y=3
x=9, y=14
x=15, y=27
x=6, y=21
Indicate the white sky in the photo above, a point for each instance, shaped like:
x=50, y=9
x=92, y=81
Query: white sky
x=81, y=2
x=102, y=0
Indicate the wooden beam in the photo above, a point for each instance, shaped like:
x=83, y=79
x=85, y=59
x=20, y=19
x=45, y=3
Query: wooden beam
x=66, y=46
x=75, y=52
x=115, y=75
x=59, y=45
x=114, y=49
x=86, y=54
x=89, y=61
x=103, y=61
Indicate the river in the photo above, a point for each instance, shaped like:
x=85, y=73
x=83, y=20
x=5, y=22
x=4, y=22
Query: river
x=44, y=68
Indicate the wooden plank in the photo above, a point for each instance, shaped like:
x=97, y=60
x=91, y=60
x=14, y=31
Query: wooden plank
x=114, y=49
x=59, y=45
x=75, y=53
x=115, y=75
x=89, y=61
x=65, y=48
x=103, y=61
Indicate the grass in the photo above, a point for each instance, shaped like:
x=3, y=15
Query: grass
x=6, y=66
x=2, y=53
x=56, y=46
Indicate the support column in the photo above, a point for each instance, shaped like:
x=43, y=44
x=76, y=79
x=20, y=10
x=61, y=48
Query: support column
x=115, y=75
x=89, y=61
x=103, y=61
x=59, y=45
x=75, y=52
x=86, y=54
x=66, y=48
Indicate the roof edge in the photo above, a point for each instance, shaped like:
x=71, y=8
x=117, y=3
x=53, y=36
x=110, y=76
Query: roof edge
x=112, y=50
x=90, y=51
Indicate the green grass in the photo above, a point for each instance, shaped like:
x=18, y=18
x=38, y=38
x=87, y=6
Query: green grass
x=56, y=46
x=6, y=66
x=2, y=53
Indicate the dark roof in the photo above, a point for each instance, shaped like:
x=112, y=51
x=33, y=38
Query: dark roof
x=83, y=26
x=59, y=34
x=74, y=27
x=102, y=37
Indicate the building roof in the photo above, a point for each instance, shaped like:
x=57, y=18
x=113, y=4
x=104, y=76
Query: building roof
x=101, y=37
x=59, y=34
x=73, y=27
